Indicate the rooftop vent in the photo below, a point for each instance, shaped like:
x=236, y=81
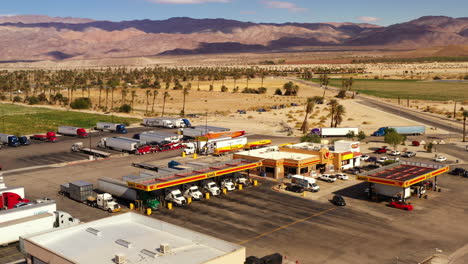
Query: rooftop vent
x=94, y=231
x=120, y=259
x=124, y=243
x=165, y=248
x=149, y=253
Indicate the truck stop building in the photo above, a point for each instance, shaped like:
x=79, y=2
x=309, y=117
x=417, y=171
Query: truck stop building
x=400, y=179
x=278, y=162
x=130, y=238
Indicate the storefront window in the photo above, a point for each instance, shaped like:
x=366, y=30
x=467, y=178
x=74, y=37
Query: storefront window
x=290, y=170
x=304, y=170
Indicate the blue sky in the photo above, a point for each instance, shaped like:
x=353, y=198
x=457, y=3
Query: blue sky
x=382, y=12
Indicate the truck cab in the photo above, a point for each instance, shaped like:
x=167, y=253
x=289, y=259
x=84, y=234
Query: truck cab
x=10, y=140
x=194, y=192
x=176, y=197
x=106, y=202
x=212, y=188
x=23, y=140
x=189, y=148
x=242, y=180
x=121, y=129
x=81, y=132
x=187, y=122
x=228, y=184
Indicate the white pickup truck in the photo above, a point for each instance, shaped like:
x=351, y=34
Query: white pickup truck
x=327, y=177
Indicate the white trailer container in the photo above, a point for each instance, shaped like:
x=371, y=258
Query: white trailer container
x=121, y=190
x=199, y=131
x=158, y=137
x=114, y=127
x=18, y=190
x=16, y=213
x=14, y=229
x=72, y=131
x=177, y=122
x=337, y=131
x=392, y=191
x=120, y=144
x=158, y=122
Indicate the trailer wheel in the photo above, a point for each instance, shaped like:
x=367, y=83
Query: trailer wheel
x=109, y=210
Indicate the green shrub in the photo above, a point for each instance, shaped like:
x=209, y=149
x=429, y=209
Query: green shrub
x=81, y=103
x=125, y=108
x=32, y=100
x=17, y=99
x=311, y=138
x=278, y=92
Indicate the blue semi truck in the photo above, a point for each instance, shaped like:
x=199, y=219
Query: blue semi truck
x=403, y=130
x=14, y=141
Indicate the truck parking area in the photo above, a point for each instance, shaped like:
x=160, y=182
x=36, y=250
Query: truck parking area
x=267, y=221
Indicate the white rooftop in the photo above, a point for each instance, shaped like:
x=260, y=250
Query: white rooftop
x=137, y=237
x=274, y=154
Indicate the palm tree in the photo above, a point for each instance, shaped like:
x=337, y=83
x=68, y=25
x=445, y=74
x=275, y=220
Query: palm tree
x=324, y=80
x=166, y=94
x=112, y=97
x=124, y=95
x=100, y=93
x=107, y=96
x=155, y=93
x=185, y=92
x=133, y=98
x=309, y=108
x=332, y=109
x=148, y=93
x=465, y=115
x=339, y=113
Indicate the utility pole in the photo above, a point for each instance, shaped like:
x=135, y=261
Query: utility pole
x=407, y=101
x=455, y=111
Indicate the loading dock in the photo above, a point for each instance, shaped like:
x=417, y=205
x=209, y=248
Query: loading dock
x=403, y=175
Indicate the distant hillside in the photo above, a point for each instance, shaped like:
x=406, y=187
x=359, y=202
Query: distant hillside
x=55, y=38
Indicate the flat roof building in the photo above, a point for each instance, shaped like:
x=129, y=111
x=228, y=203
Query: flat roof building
x=130, y=238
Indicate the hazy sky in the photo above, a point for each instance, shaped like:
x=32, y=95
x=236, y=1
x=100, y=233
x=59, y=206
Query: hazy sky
x=382, y=12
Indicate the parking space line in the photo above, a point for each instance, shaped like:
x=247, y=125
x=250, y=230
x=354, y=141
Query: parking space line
x=285, y=226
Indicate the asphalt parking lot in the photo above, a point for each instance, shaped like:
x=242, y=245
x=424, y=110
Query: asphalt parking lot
x=266, y=221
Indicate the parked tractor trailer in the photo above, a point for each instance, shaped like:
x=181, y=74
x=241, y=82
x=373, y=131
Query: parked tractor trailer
x=113, y=127
x=334, y=131
x=403, y=130
x=72, y=131
x=120, y=189
x=14, y=141
x=123, y=144
x=82, y=191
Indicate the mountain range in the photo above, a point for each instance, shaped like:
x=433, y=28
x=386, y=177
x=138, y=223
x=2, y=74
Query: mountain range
x=34, y=37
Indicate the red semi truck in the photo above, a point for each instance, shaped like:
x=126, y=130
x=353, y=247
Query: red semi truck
x=72, y=131
x=49, y=137
x=8, y=200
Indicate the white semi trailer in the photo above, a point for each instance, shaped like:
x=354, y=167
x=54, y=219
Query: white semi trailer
x=121, y=190
x=335, y=131
x=158, y=122
x=14, y=229
x=120, y=144
x=113, y=127
x=34, y=209
x=158, y=137
x=392, y=191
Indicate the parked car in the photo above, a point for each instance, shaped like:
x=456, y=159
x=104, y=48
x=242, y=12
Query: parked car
x=395, y=153
x=341, y=176
x=295, y=188
x=327, y=177
x=440, y=159
x=458, y=171
x=338, y=200
x=409, y=154
x=353, y=171
x=382, y=159
x=415, y=143
x=371, y=159
x=381, y=150
x=401, y=205
x=465, y=174
x=365, y=157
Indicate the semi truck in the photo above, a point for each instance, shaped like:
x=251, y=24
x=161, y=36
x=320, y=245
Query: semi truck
x=123, y=144
x=177, y=122
x=158, y=137
x=112, y=127
x=194, y=193
x=175, y=196
x=10, y=140
x=33, y=209
x=216, y=146
x=79, y=147
x=48, y=137
x=82, y=191
x=158, y=122
x=212, y=188
x=334, y=131
x=392, y=191
x=9, y=197
x=24, y=140
x=72, y=131
x=403, y=130
x=199, y=131
x=14, y=229
x=120, y=189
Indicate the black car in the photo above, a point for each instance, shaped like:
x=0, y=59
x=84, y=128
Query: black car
x=371, y=159
x=458, y=171
x=338, y=200
x=465, y=174
x=295, y=188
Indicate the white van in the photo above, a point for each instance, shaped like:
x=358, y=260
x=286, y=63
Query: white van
x=308, y=183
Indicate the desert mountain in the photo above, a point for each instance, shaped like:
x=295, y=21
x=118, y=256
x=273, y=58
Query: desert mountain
x=43, y=37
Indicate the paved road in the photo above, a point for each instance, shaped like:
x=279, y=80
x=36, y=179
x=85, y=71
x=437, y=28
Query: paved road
x=424, y=118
